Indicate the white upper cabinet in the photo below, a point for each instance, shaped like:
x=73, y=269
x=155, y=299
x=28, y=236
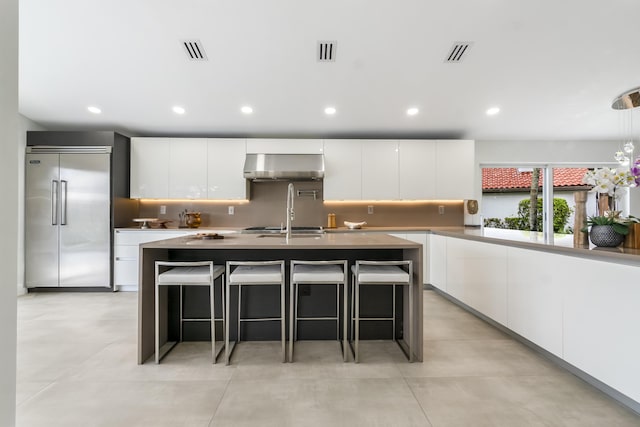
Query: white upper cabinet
x=225, y=160
x=417, y=169
x=379, y=169
x=188, y=168
x=342, y=169
x=399, y=170
x=284, y=146
x=455, y=169
x=355, y=169
x=149, y=167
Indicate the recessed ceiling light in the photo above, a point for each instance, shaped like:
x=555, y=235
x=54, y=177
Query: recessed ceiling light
x=94, y=110
x=493, y=111
x=330, y=111
x=246, y=109
x=412, y=111
x=179, y=110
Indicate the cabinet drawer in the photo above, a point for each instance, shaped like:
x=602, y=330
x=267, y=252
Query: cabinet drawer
x=129, y=252
x=143, y=236
x=125, y=273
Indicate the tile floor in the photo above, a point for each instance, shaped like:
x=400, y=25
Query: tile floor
x=77, y=367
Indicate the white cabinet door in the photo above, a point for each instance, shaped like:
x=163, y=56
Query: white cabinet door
x=417, y=169
x=284, y=146
x=343, y=169
x=601, y=319
x=535, y=305
x=455, y=169
x=421, y=237
x=477, y=276
x=379, y=169
x=225, y=160
x=188, y=168
x=149, y=168
x=437, y=272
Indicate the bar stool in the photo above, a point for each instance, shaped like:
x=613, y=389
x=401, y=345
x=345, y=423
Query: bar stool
x=317, y=273
x=383, y=273
x=254, y=273
x=196, y=273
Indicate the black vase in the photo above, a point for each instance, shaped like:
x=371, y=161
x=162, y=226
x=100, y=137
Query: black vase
x=605, y=236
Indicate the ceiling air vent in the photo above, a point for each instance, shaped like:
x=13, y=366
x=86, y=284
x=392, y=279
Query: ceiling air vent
x=326, y=51
x=194, y=50
x=458, y=52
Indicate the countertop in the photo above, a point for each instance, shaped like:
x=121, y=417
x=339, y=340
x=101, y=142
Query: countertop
x=562, y=244
x=298, y=241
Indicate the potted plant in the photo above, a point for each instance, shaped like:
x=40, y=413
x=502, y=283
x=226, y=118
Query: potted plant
x=608, y=183
x=607, y=230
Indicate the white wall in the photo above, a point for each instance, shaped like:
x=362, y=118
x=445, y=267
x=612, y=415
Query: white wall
x=575, y=153
x=24, y=125
x=9, y=159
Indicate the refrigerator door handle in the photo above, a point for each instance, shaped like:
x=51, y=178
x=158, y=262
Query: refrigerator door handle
x=63, y=204
x=54, y=202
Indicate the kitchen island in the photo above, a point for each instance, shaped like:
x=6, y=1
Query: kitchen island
x=576, y=305
x=246, y=247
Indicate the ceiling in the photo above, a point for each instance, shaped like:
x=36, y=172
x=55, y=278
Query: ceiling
x=552, y=67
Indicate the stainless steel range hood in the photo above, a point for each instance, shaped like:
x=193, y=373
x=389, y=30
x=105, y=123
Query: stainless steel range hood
x=284, y=166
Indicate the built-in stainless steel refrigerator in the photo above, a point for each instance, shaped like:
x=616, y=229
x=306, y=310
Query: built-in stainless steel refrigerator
x=68, y=217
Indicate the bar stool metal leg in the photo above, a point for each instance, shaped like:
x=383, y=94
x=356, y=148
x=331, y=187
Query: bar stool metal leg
x=186, y=273
x=329, y=273
x=383, y=273
x=254, y=273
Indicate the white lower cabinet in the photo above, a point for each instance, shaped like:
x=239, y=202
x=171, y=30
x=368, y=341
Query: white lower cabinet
x=535, y=306
x=126, y=249
x=477, y=276
x=582, y=310
x=437, y=262
x=600, y=322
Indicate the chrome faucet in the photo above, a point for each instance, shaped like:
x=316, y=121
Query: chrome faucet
x=290, y=213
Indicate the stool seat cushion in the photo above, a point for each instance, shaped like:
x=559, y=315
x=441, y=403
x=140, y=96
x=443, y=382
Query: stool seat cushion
x=256, y=274
x=381, y=274
x=331, y=273
x=189, y=275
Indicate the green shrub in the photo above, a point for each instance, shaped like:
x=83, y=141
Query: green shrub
x=515, y=223
x=494, y=223
x=561, y=214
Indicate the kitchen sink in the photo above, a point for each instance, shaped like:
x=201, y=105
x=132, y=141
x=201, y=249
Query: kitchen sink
x=293, y=235
x=277, y=231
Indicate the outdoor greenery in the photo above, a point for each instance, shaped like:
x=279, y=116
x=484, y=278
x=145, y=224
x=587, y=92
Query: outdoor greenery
x=561, y=214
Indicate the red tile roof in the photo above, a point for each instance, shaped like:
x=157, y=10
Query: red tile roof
x=511, y=178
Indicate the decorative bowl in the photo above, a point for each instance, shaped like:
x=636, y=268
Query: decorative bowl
x=353, y=225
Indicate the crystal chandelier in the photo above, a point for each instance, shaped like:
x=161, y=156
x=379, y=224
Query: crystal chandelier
x=625, y=156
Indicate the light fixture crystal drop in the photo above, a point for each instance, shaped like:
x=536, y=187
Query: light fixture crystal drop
x=628, y=147
x=619, y=156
